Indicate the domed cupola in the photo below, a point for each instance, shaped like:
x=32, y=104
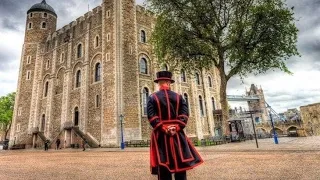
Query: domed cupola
x=43, y=6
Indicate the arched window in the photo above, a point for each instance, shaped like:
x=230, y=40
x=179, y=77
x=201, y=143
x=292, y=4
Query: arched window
x=31, y=15
x=97, y=72
x=213, y=104
x=79, y=51
x=43, y=123
x=143, y=66
x=164, y=67
x=45, y=15
x=78, y=79
x=46, y=86
x=143, y=36
x=145, y=95
x=30, y=26
x=183, y=76
x=76, y=116
x=209, y=81
x=44, y=25
x=97, y=41
x=198, y=79
x=201, y=106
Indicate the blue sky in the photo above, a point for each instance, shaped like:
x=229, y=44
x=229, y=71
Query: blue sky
x=282, y=91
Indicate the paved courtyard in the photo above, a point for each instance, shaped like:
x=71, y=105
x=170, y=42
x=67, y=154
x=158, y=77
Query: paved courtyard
x=292, y=158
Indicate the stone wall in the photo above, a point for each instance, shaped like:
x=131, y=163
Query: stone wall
x=310, y=116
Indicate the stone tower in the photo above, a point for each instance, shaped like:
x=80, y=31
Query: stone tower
x=80, y=81
x=258, y=105
x=120, y=90
x=41, y=21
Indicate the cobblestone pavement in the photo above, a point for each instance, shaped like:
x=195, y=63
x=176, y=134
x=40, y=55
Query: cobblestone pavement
x=292, y=158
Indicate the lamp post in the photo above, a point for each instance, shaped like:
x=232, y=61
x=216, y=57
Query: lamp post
x=121, y=129
x=274, y=131
x=253, y=124
x=254, y=128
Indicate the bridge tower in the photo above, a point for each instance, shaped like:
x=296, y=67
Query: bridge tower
x=258, y=105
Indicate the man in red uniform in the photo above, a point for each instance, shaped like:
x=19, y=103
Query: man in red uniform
x=170, y=150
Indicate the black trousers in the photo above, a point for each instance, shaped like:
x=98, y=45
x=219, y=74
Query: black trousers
x=165, y=174
x=46, y=147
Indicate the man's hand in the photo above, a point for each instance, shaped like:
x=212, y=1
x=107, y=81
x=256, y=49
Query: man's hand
x=171, y=130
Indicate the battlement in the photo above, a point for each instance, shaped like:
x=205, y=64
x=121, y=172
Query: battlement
x=90, y=14
x=144, y=10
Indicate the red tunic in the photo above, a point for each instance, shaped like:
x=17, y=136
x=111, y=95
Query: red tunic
x=175, y=152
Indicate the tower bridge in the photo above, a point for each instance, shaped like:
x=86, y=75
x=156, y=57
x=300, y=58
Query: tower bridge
x=263, y=111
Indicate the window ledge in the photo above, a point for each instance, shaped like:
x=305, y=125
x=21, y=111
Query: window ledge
x=144, y=74
x=97, y=82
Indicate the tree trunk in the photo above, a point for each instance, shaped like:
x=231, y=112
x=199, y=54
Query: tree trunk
x=205, y=102
x=223, y=93
x=224, y=105
x=7, y=130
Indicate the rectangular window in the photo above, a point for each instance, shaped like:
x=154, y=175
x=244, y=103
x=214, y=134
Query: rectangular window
x=18, y=128
x=28, y=75
x=30, y=26
x=108, y=14
x=29, y=60
x=19, y=111
x=48, y=65
x=131, y=50
x=108, y=37
x=62, y=57
x=97, y=101
x=108, y=56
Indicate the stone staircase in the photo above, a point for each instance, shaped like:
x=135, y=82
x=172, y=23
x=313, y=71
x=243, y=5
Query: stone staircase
x=35, y=130
x=42, y=136
x=54, y=139
x=91, y=142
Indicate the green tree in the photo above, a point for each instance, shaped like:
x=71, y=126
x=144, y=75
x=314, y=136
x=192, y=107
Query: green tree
x=6, y=111
x=238, y=37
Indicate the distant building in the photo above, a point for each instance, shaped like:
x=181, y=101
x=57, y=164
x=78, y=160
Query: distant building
x=292, y=115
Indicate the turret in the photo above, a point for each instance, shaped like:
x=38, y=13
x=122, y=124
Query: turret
x=41, y=21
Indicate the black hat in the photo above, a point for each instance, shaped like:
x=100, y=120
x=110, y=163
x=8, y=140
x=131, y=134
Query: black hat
x=164, y=75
